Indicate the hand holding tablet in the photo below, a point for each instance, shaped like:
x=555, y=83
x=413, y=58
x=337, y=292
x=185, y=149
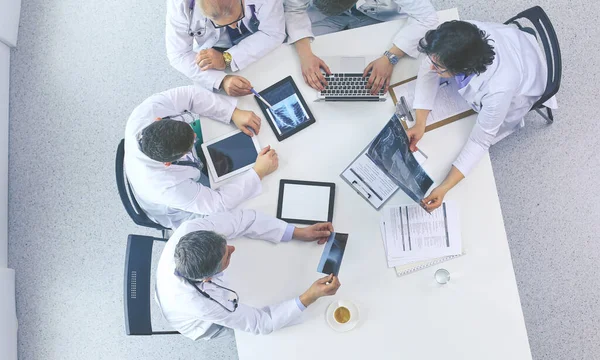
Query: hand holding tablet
x=236, y=152
x=266, y=162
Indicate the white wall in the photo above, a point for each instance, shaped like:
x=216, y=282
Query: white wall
x=10, y=11
x=4, y=82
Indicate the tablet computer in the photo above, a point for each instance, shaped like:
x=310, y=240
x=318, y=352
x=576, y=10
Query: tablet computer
x=305, y=202
x=230, y=154
x=288, y=113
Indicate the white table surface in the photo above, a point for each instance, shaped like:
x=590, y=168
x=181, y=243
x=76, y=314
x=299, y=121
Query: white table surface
x=476, y=316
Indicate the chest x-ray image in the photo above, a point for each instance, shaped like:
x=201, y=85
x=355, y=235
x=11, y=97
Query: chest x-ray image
x=391, y=153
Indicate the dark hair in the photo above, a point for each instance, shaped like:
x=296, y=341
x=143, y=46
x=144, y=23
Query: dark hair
x=460, y=47
x=198, y=254
x=167, y=140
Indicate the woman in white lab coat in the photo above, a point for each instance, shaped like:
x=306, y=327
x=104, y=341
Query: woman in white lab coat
x=500, y=72
x=205, y=37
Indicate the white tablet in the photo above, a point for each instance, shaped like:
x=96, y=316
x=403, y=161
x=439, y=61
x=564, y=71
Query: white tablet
x=305, y=202
x=230, y=154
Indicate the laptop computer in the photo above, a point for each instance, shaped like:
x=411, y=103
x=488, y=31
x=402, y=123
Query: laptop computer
x=346, y=82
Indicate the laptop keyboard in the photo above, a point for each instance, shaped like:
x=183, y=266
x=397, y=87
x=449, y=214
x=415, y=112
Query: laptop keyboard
x=347, y=86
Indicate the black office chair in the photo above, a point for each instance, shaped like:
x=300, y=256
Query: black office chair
x=128, y=199
x=138, y=261
x=544, y=31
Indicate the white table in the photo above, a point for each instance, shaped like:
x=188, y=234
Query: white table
x=476, y=316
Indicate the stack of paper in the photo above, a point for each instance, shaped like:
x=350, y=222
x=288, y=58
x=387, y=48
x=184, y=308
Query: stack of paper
x=413, y=238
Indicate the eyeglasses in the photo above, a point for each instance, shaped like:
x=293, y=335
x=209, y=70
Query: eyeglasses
x=233, y=22
x=438, y=68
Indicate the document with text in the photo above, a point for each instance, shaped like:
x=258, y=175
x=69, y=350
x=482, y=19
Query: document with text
x=411, y=234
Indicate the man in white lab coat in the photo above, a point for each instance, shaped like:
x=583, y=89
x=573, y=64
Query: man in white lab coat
x=500, y=71
x=307, y=18
x=163, y=166
x=191, y=287
x=206, y=37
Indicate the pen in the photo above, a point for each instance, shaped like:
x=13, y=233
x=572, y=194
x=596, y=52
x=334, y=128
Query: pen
x=406, y=109
x=445, y=83
x=260, y=98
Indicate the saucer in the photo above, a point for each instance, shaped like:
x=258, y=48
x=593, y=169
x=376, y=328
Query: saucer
x=354, y=315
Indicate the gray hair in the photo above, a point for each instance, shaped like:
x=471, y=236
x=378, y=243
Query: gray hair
x=216, y=9
x=198, y=254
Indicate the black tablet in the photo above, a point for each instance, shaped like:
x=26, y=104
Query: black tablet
x=305, y=202
x=288, y=113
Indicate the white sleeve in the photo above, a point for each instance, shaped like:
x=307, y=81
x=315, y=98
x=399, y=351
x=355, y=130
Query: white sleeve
x=239, y=223
x=179, y=46
x=201, y=101
x=193, y=197
x=421, y=18
x=298, y=24
x=256, y=225
x=428, y=83
x=493, y=112
x=259, y=321
x=270, y=34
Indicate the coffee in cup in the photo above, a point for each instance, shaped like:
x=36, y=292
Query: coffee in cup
x=341, y=315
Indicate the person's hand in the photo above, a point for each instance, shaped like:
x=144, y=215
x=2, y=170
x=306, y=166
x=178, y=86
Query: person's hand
x=381, y=72
x=435, y=199
x=325, y=286
x=246, y=121
x=415, y=134
x=311, y=71
x=267, y=161
x=210, y=59
x=236, y=85
x=319, y=232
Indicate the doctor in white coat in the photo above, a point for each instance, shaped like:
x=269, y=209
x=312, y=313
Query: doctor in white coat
x=499, y=69
x=162, y=164
x=191, y=286
x=206, y=37
x=307, y=18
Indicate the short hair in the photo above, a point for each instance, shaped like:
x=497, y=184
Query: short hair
x=167, y=140
x=216, y=9
x=333, y=7
x=460, y=47
x=198, y=254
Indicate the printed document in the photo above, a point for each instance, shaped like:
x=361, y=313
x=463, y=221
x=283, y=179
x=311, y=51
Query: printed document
x=411, y=234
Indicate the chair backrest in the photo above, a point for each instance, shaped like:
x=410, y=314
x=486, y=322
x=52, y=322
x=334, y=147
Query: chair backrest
x=138, y=262
x=547, y=36
x=127, y=198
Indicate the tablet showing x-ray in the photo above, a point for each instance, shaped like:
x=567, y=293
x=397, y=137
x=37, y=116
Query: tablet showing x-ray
x=288, y=113
x=230, y=154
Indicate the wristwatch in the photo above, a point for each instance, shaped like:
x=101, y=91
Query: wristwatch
x=391, y=57
x=227, y=57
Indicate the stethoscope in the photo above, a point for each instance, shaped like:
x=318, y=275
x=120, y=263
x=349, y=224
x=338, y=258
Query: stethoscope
x=194, y=162
x=235, y=301
x=190, y=19
x=198, y=32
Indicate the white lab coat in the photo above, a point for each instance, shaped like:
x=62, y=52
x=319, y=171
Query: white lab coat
x=300, y=14
x=182, y=52
x=197, y=317
x=502, y=95
x=170, y=194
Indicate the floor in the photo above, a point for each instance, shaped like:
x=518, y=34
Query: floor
x=81, y=68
